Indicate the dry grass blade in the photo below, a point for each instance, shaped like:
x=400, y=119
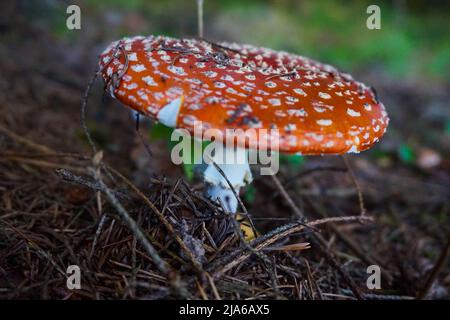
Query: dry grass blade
x=283, y=191
x=291, y=247
x=362, y=206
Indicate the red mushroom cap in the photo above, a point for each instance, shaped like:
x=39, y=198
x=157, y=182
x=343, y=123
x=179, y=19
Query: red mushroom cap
x=316, y=108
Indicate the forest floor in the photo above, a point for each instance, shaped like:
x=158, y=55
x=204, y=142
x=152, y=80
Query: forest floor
x=60, y=205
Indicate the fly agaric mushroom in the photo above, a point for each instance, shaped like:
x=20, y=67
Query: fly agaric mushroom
x=316, y=109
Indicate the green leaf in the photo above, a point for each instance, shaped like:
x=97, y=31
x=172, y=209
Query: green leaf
x=447, y=128
x=250, y=193
x=188, y=170
x=195, y=146
x=406, y=154
x=294, y=160
x=160, y=131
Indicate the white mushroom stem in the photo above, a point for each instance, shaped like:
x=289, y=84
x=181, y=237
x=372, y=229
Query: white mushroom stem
x=234, y=164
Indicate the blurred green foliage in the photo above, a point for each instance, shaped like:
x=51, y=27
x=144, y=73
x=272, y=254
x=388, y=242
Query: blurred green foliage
x=413, y=40
x=160, y=131
x=250, y=194
x=406, y=154
x=294, y=160
x=447, y=128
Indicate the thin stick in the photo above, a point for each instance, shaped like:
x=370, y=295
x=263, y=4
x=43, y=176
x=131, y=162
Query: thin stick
x=83, y=110
x=200, y=17
x=146, y=145
x=435, y=271
x=151, y=251
x=246, y=214
x=213, y=287
x=97, y=234
x=89, y=89
x=69, y=177
x=362, y=207
x=288, y=198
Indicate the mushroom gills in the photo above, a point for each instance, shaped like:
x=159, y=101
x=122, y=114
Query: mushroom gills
x=168, y=115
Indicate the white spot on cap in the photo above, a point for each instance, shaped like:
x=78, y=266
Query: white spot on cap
x=126, y=78
x=227, y=77
x=280, y=113
x=132, y=56
x=300, y=92
x=324, y=95
x=149, y=81
x=231, y=90
x=219, y=84
x=106, y=59
x=353, y=113
x=131, y=86
x=177, y=70
x=275, y=102
x=210, y=74
x=138, y=67
x=291, y=99
x=290, y=127
x=324, y=122
x=297, y=112
x=319, y=109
